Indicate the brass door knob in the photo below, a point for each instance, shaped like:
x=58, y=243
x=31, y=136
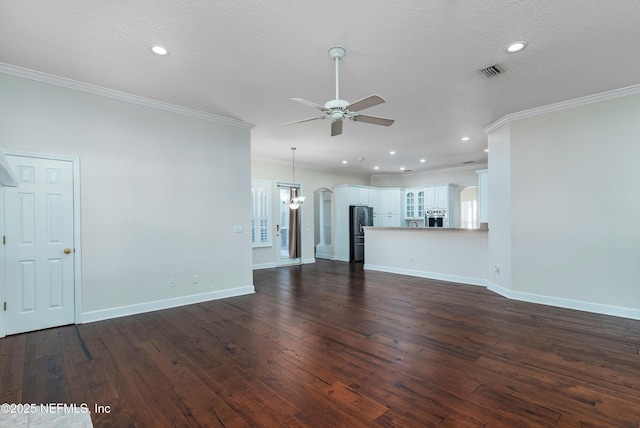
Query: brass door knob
x=67, y=250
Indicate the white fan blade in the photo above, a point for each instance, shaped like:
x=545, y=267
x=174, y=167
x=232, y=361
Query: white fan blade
x=336, y=127
x=304, y=120
x=373, y=119
x=310, y=104
x=370, y=101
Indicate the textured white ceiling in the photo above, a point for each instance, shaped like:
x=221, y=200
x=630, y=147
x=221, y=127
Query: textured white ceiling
x=246, y=59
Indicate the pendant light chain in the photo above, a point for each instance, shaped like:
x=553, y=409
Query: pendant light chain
x=293, y=155
x=296, y=199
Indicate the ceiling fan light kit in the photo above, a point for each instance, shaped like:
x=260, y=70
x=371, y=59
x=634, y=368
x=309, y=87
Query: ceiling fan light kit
x=338, y=110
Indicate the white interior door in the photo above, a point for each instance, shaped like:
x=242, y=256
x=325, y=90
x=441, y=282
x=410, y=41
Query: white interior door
x=39, y=245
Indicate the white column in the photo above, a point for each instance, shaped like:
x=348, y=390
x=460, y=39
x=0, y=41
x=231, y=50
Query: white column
x=321, y=219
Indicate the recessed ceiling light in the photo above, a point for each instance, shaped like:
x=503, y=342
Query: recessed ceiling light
x=486, y=150
x=159, y=50
x=376, y=167
x=401, y=168
x=516, y=47
x=464, y=139
x=423, y=160
x=392, y=152
x=344, y=161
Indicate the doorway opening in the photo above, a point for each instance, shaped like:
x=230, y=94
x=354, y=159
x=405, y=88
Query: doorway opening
x=469, y=207
x=288, y=232
x=323, y=199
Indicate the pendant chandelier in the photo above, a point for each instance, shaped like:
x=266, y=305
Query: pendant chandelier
x=296, y=200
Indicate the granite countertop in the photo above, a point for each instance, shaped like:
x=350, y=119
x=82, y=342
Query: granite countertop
x=424, y=229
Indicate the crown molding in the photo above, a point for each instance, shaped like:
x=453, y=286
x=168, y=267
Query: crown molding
x=563, y=105
x=118, y=95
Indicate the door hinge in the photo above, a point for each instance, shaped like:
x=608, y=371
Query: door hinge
x=4, y=239
x=5, y=306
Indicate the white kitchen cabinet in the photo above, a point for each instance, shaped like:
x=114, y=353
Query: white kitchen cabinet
x=409, y=200
x=390, y=201
x=420, y=203
x=413, y=200
x=440, y=196
x=444, y=197
x=390, y=207
x=358, y=195
x=374, y=202
x=390, y=220
x=364, y=196
x=430, y=197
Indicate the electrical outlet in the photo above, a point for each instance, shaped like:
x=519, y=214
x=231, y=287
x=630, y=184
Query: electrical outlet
x=196, y=279
x=210, y=277
x=496, y=269
x=172, y=282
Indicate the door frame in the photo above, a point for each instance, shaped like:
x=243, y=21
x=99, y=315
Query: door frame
x=278, y=260
x=77, y=241
x=328, y=196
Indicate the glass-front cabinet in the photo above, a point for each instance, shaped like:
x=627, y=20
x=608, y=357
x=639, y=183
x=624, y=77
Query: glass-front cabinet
x=409, y=204
x=420, y=204
x=414, y=204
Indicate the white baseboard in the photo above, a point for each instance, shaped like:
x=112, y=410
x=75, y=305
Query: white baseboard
x=578, y=305
x=324, y=252
x=429, y=275
x=271, y=265
x=560, y=302
x=157, y=305
x=264, y=265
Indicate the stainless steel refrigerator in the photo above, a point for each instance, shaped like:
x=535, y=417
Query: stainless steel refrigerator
x=358, y=218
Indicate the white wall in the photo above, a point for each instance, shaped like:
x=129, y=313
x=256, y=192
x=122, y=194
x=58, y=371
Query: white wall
x=160, y=194
x=463, y=176
x=309, y=180
x=499, y=263
x=448, y=255
x=574, y=208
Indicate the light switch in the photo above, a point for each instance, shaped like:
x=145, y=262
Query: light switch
x=238, y=228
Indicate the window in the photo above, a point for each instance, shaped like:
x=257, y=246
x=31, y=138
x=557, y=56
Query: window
x=261, y=213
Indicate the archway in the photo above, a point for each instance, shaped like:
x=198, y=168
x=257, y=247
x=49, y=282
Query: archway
x=323, y=198
x=469, y=207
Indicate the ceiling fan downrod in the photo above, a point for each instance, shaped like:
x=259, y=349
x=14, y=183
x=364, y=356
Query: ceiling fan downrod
x=337, y=54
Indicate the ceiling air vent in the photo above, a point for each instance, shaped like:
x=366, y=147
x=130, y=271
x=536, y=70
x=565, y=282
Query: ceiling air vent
x=468, y=162
x=492, y=71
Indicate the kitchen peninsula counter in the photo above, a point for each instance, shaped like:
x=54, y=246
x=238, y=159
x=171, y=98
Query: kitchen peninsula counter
x=449, y=254
x=430, y=229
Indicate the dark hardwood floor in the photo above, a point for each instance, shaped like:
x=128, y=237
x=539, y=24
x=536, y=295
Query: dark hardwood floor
x=331, y=345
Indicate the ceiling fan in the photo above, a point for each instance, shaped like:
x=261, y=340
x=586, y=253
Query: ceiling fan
x=338, y=110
